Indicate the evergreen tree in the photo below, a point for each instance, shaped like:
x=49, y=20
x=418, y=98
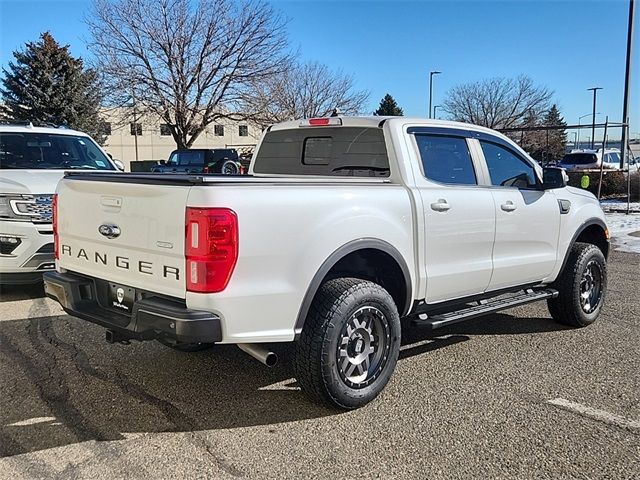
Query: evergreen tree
x=45, y=84
x=557, y=139
x=544, y=145
x=532, y=141
x=388, y=107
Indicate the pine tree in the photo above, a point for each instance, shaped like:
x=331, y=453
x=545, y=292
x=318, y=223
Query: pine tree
x=549, y=145
x=45, y=84
x=388, y=107
x=557, y=140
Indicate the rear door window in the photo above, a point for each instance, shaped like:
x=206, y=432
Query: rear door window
x=187, y=158
x=324, y=151
x=446, y=159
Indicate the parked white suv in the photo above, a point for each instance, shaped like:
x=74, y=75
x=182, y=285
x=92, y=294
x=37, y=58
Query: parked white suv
x=580, y=160
x=32, y=161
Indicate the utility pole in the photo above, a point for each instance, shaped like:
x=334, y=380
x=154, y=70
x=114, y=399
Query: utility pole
x=627, y=82
x=431, y=74
x=593, y=116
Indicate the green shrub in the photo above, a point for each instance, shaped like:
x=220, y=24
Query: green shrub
x=613, y=182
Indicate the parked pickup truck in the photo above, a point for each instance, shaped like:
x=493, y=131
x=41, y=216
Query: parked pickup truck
x=344, y=226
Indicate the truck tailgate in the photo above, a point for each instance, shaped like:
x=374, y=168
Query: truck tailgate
x=131, y=234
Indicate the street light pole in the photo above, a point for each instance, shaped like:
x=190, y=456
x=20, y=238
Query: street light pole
x=579, y=123
x=627, y=81
x=593, y=118
x=431, y=74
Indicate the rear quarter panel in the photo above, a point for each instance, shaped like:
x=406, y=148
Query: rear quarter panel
x=286, y=232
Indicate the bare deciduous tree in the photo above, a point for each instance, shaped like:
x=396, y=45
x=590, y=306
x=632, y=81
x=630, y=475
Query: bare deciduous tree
x=186, y=61
x=497, y=102
x=303, y=91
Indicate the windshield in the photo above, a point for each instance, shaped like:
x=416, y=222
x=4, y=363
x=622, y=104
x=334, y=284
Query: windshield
x=50, y=151
x=579, y=158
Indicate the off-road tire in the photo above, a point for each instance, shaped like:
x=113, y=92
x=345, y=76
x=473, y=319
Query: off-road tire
x=183, y=346
x=319, y=360
x=567, y=307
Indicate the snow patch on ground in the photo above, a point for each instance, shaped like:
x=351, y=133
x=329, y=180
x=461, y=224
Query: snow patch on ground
x=619, y=205
x=621, y=226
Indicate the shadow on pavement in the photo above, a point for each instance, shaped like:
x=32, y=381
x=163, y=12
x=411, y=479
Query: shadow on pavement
x=11, y=293
x=62, y=384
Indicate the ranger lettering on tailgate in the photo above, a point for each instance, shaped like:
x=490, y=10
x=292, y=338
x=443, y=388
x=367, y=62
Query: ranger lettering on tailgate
x=120, y=261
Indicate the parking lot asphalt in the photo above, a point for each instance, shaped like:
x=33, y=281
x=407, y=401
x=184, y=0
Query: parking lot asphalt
x=512, y=395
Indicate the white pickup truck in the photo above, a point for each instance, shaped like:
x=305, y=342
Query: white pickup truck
x=345, y=226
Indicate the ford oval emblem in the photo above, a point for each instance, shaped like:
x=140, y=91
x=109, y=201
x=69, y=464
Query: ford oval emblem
x=109, y=230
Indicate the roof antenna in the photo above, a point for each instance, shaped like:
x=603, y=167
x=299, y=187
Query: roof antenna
x=335, y=112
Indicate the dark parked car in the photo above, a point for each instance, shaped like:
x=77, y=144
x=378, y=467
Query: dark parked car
x=201, y=160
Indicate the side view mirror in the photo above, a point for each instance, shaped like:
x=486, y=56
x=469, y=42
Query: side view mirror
x=119, y=165
x=554, y=177
x=162, y=162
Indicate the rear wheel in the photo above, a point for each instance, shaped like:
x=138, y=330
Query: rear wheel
x=349, y=346
x=582, y=286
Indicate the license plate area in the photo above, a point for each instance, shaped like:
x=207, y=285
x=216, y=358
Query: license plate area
x=120, y=297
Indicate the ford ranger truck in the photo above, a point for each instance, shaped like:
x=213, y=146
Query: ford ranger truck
x=32, y=161
x=344, y=227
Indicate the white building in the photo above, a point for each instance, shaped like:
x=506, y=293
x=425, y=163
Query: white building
x=150, y=139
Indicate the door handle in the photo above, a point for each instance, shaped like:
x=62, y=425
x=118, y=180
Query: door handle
x=440, y=206
x=508, y=206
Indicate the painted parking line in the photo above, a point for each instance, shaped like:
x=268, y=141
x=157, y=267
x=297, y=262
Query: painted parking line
x=32, y=421
x=595, y=414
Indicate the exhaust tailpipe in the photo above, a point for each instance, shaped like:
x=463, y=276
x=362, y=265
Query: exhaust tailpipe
x=260, y=353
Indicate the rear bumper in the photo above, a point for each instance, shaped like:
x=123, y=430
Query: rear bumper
x=151, y=316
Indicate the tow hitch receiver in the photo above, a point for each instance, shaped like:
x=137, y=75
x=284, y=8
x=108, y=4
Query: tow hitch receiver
x=113, y=336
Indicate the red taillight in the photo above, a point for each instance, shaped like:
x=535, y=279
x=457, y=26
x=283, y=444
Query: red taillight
x=211, y=248
x=56, y=241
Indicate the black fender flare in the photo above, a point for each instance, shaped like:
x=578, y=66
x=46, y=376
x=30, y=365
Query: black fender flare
x=588, y=223
x=339, y=254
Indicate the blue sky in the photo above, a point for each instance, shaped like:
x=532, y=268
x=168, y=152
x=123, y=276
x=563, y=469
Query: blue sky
x=390, y=46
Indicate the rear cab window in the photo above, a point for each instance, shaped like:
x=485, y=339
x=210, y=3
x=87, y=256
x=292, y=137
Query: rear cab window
x=579, y=159
x=324, y=151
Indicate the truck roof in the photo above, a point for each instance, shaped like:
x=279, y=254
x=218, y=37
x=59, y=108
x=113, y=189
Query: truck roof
x=374, y=121
x=28, y=128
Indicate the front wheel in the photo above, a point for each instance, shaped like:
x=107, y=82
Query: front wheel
x=581, y=286
x=350, y=343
